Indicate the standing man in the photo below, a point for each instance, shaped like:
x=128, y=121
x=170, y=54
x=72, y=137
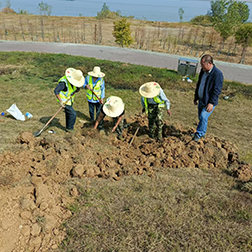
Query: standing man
x=207, y=93
x=65, y=91
x=95, y=85
x=153, y=100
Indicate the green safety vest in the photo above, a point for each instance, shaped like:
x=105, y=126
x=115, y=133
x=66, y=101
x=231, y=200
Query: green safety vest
x=64, y=95
x=156, y=99
x=96, y=89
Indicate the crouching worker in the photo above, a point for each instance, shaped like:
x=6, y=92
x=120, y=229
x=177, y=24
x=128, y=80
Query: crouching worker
x=153, y=100
x=113, y=107
x=65, y=91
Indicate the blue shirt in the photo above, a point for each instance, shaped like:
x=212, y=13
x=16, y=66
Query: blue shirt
x=162, y=97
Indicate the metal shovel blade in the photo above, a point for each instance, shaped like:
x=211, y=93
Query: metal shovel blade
x=37, y=133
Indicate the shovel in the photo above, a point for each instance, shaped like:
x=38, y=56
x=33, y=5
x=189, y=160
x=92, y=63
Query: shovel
x=37, y=133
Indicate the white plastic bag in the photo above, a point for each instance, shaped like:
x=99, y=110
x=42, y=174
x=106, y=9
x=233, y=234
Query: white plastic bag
x=15, y=112
x=188, y=80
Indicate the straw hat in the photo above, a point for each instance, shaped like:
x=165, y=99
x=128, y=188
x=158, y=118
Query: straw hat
x=149, y=89
x=96, y=72
x=113, y=106
x=75, y=77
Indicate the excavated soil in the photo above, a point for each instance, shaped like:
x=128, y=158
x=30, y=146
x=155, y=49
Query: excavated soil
x=35, y=187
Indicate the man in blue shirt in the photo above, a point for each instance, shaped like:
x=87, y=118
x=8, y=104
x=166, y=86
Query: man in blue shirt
x=153, y=100
x=95, y=85
x=207, y=93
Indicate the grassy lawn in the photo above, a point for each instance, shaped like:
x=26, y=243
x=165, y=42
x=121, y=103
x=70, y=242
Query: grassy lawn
x=28, y=79
x=174, y=210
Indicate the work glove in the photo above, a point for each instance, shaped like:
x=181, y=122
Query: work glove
x=62, y=104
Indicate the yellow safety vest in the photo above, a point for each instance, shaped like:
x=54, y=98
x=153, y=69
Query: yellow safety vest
x=156, y=99
x=64, y=95
x=96, y=89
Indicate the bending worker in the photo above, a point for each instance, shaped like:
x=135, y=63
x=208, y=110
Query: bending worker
x=65, y=91
x=114, y=107
x=153, y=100
x=95, y=85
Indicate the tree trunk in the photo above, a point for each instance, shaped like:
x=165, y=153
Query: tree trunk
x=243, y=54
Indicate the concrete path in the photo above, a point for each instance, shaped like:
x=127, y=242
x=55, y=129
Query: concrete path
x=231, y=71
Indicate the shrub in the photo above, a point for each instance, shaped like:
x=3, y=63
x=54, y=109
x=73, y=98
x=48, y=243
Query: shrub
x=205, y=20
x=122, y=32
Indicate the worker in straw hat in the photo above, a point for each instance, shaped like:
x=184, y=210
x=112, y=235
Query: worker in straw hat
x=113, y=107
x=95, y=85
x=153, y=100
x=65, y=91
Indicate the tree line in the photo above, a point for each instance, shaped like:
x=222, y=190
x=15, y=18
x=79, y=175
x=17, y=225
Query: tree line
x=228, y=18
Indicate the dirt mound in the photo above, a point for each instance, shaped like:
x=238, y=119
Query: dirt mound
x=39, y=183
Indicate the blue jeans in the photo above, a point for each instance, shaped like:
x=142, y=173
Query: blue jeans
x=92, y=107
x=203, y=116
x=70, y=117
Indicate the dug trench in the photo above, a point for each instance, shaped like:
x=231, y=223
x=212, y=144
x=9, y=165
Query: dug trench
x=35, y=193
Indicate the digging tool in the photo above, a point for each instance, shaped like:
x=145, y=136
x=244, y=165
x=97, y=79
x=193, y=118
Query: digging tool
x=37, y=133
x=96, y=95
x=133, y=137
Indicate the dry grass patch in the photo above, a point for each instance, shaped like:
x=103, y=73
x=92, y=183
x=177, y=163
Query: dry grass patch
x=177, y=210
x=174, y=38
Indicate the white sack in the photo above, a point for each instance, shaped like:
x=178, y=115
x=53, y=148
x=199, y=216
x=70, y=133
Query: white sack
x=15, y=112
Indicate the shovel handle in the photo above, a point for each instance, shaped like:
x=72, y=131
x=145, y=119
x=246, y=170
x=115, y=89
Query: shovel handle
x=39, y=132
x=50, y=120
x=96, y=95
x=133, y=137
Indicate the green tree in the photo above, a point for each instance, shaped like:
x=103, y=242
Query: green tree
x=242, y=10
x=228, y=16
x=122, y=33
x=104, y=12
x=243, y=36
x=44, y=9
x=218, y=9
x=181, y=14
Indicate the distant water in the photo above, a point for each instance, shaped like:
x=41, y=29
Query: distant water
x=152, y=10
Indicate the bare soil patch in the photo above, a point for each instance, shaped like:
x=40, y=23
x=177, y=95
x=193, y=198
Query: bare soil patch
x=36, y=192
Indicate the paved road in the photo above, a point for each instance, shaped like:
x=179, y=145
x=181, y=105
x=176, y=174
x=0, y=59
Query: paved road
x=233, y=72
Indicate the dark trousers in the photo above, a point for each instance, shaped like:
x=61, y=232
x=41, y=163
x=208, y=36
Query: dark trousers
x=70, y=117
x=92, y=107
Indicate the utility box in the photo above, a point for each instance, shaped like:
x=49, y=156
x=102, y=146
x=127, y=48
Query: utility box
x=187, y=67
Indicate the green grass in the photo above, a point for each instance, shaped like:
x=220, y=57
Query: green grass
x=175, y=210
